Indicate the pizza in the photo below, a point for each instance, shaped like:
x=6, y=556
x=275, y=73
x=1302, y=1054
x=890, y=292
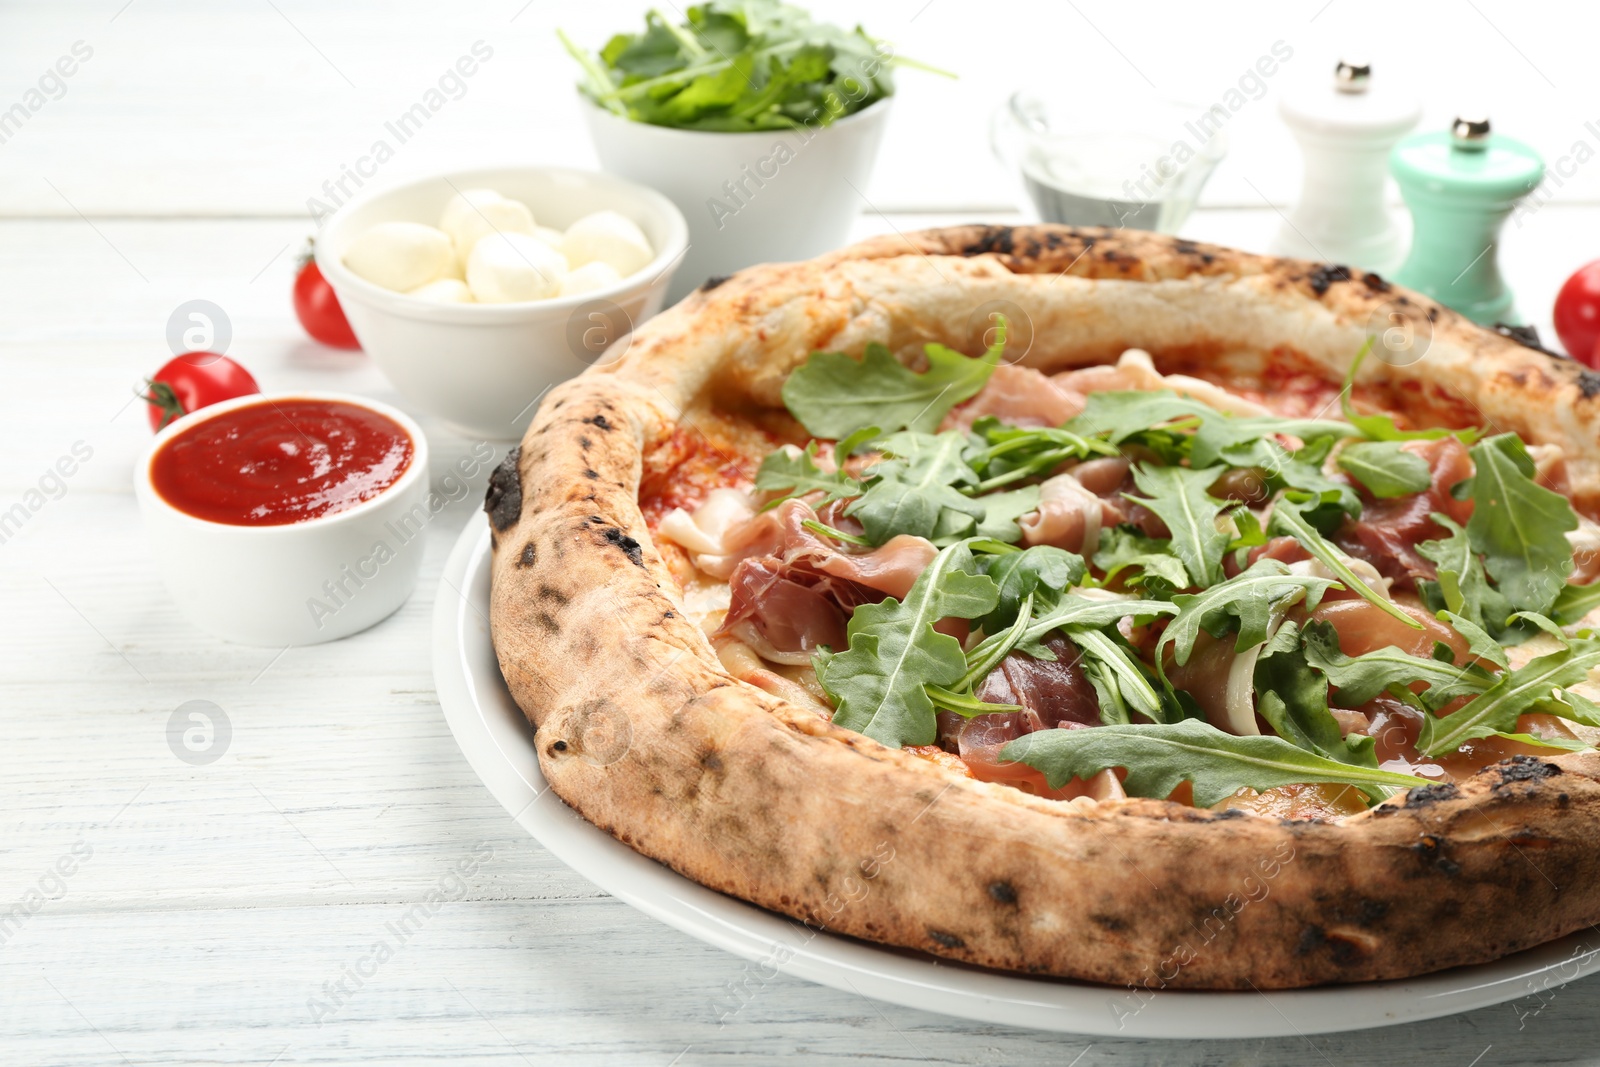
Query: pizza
x=1081, y=603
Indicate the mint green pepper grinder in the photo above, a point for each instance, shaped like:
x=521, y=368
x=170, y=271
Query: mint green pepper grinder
x=1460, y=185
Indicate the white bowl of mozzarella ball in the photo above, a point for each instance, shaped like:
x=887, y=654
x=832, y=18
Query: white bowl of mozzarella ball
x=477, y=291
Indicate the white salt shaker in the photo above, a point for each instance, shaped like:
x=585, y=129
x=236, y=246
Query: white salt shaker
x=1346, y=130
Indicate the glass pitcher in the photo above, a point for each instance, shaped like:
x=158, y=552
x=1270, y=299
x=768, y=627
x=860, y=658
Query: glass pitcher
x=1123, y=161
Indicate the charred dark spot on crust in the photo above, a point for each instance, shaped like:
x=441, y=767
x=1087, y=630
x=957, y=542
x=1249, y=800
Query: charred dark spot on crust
x=668, y=614
x=1371, y=911
x=1431, y=794
x=1185, y=247
x=1526, y=336
x=529, y=554
x=547, y=622
x=1346, y=951
x=1311, y=939
x=590, y=473
x=1324, y=276
x=1002, y=893
x=713, y=281
x=599, y=422
x=1112, y=923
x=1229, y=813
x=1430, y=851
x=503, y=502
x=1563, y=801
x=1001, y=239
x=1433, y=314
x=558, y=746
x=550, y=592
x=1524, y=769
x=629, y=546
x=585, y=443
x=1588, y=383
x=711, y=761
x=948, y=940
x=1375, y=282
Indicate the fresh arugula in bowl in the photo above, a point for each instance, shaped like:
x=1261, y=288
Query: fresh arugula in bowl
x=737, y=66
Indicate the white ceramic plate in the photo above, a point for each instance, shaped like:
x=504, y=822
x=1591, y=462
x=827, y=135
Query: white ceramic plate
x=498, y=742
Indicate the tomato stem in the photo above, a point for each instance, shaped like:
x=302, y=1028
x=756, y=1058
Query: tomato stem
x=164, y=400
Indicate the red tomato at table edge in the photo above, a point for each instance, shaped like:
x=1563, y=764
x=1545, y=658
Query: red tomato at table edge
x=192, y=381
x=1577, y=314
x=317, y=307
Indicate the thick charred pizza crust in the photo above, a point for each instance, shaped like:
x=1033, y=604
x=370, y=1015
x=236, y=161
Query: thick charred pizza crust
x=641, y=730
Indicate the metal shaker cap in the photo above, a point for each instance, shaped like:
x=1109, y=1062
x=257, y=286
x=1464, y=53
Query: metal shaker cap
x=1470, y=133
x=1352, y=75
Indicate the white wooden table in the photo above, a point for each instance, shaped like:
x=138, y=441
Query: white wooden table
x=217, y=913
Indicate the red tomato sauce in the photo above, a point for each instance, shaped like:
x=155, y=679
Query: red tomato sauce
x=281, y=461
x=682, y=470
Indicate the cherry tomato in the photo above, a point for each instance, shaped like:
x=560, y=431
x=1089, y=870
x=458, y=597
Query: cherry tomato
x=192, y=381
x=318, y=308
x=1577, y=314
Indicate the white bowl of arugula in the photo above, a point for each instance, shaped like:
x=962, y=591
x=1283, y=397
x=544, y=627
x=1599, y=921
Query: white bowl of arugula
x=759, y=123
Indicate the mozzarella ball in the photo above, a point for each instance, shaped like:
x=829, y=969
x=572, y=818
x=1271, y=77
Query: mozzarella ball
x=463, y=204
x=610, y=238
x=444, y=291
x=400, y=255
x=513, y=267
x=589, y=277
x=549, y=235
x=471, y=216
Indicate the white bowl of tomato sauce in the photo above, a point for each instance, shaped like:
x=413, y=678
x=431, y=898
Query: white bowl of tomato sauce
x=287, y=519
